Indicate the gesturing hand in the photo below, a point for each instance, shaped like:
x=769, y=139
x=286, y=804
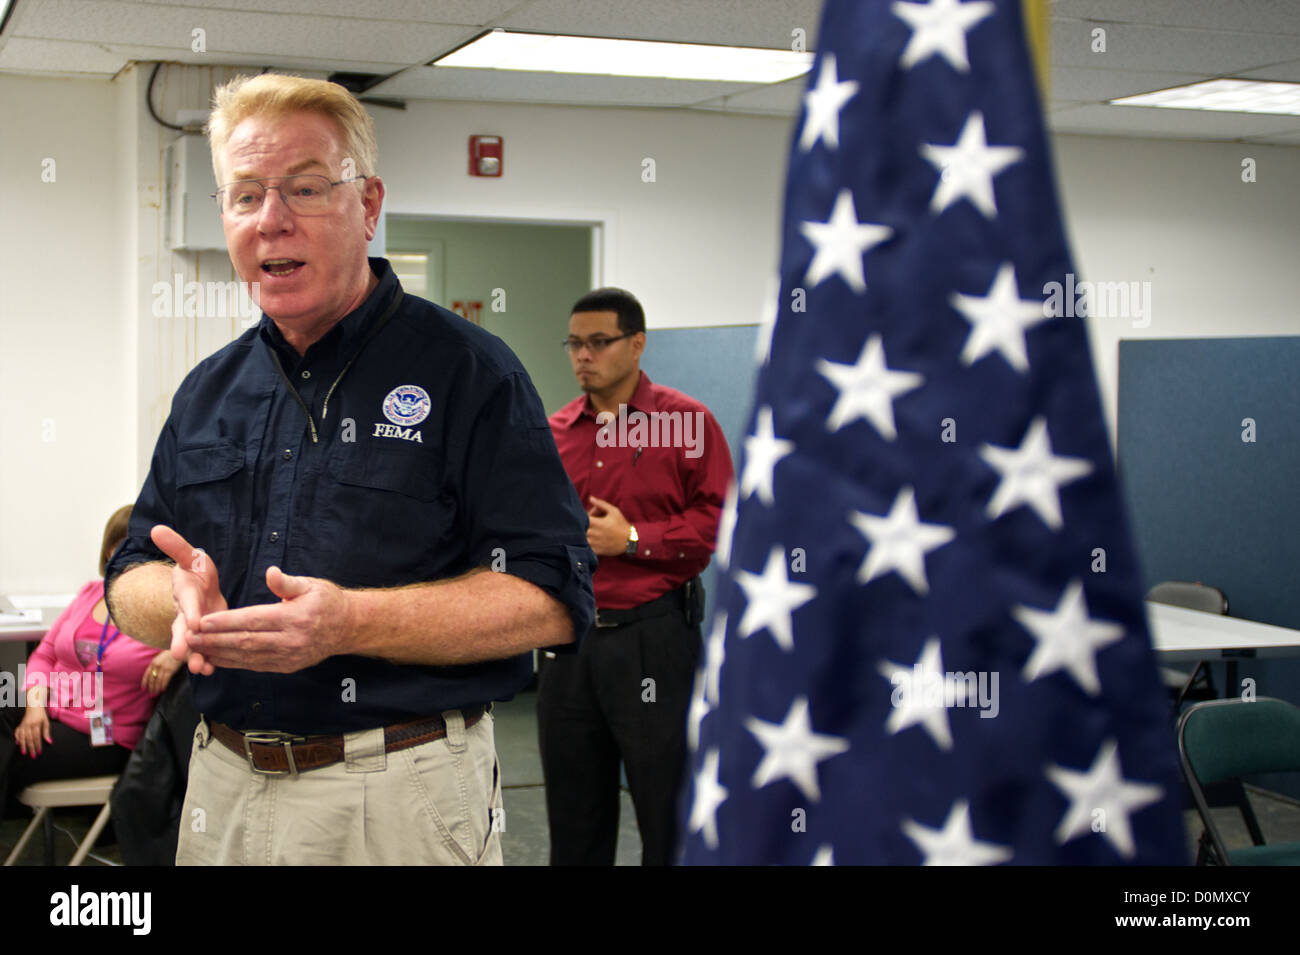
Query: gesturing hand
x=607, y=528
x=195, y=591
x=309, y=623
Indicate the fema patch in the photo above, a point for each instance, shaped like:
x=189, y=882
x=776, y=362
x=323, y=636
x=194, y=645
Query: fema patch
x=407, y=405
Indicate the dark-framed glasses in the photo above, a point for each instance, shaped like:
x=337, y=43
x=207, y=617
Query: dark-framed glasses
x=305, y=195
x=596, y=344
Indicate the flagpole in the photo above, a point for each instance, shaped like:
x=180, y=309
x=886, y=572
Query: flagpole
x=1037, y=35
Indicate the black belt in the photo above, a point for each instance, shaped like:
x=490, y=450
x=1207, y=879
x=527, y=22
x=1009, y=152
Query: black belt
x=675, y=601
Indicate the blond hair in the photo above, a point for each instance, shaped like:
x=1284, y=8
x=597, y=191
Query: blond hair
x=277, y=95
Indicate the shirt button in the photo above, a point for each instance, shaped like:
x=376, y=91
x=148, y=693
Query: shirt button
x=287, y=453
x=275, y=536
x=306, y=375
x=600, y=464
x=680, y=554
x=646, y=552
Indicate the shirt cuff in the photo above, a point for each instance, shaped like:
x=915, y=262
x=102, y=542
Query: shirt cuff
x=565, y=574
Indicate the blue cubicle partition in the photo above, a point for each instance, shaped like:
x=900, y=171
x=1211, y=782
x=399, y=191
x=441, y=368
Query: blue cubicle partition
x=714, y=365
x=1207, y=502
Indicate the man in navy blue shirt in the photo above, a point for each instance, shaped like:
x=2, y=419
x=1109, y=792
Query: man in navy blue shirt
x=355, y=526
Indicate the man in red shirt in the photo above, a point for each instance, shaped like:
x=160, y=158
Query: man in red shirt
x=652, y=467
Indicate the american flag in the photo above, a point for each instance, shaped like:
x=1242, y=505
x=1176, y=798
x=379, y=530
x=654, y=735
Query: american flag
x=930, y=645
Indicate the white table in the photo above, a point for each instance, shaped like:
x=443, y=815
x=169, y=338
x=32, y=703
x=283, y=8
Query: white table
x=1182, y=635
x=33, y=630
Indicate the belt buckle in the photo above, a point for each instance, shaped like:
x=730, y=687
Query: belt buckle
x=271, y=738
x=602, y=625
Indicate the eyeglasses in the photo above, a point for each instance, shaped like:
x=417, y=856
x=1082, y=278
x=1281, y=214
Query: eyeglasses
x=596, y=345
x=304, y=195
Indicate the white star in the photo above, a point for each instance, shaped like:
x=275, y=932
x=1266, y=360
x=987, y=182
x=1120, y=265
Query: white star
x=715, y=652
x=825, y=855
x=840, y=243
x=922, y=694
x=999, y=320
x=955, y=844
x=822, y=106
x=727, y=526
x=1032, y=475
x=899, y=541
x=763, y=449
x=772, y=600
x=867, y=389
x=967, y=168
x=1101, y=789
x=1068, y=639
x=699, y=709
x=792, y=750
x=709, y=795
x=940, y=27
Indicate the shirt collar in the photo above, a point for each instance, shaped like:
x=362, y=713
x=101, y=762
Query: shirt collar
x=643, y=399
x=348, y=331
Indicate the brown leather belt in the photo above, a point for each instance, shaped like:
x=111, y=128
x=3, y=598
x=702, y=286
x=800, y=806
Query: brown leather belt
x=284, y=754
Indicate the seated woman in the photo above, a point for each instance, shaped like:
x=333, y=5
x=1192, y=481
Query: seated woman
x=67, y=730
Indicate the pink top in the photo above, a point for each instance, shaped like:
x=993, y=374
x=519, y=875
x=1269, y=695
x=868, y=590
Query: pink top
x=65, y=661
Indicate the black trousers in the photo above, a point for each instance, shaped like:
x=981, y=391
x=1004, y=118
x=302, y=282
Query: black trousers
x=595, y=708
x=70, y=756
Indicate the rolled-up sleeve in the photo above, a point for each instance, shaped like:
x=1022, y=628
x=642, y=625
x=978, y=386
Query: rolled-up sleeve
x=523, y=515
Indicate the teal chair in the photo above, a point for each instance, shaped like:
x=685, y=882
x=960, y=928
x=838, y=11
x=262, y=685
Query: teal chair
x=1224, y=740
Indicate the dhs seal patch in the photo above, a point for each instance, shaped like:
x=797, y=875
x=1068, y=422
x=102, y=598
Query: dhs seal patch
x=407, y=405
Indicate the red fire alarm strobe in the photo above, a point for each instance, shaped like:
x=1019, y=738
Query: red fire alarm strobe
x=485, y=155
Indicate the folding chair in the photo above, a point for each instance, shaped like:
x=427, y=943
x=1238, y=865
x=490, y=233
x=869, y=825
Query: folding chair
x=1227, y=739
x=90, y=791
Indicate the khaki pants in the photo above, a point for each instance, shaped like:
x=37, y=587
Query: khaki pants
x=434, y=804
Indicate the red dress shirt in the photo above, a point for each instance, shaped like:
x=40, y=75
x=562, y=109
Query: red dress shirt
x=672, y=495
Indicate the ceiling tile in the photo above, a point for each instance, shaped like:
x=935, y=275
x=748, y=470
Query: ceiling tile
x=1283, y=72
x=1286, y=139
x=1167, y=123
x=1166, y=50
x=778, y=99
x=463, y=12
x=20, y=54
x=519, y=86
x=264, y=36
x=293, y=64
x=1099, y=85
x=1242, y=16
x=761, y=23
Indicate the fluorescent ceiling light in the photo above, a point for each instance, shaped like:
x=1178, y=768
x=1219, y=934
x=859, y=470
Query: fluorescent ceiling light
x=547, y=53
x=1229, y=96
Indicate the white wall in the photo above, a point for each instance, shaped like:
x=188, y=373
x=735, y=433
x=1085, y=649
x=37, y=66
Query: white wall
x=66, y=438
x=1220, y=254
x=79, y=343
x=696, y=246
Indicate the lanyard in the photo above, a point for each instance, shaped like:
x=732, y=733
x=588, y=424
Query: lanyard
x=103, y=644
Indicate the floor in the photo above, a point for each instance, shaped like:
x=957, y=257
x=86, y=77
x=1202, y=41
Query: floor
x=525, y=841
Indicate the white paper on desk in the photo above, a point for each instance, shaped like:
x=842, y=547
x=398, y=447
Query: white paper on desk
x=37, y=601
x=20, y=616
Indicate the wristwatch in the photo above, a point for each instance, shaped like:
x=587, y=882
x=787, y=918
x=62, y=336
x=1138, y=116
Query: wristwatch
x=630, y=550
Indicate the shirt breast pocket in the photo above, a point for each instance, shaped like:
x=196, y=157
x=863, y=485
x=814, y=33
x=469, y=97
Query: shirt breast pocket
x=392, y=516
x=205, y=496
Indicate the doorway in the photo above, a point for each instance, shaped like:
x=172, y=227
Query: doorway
x=516, y=280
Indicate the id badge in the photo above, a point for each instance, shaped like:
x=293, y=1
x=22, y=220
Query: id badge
x=101, y=727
